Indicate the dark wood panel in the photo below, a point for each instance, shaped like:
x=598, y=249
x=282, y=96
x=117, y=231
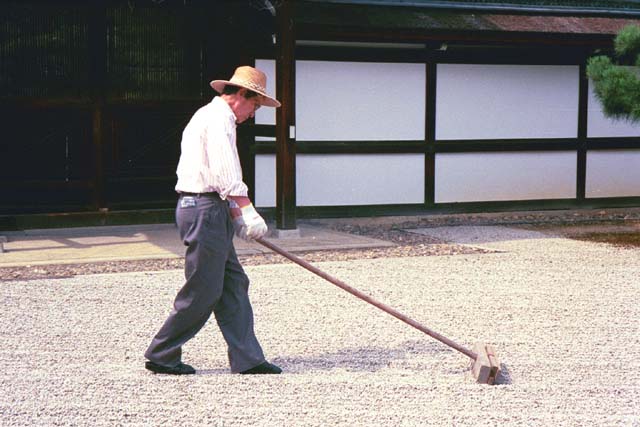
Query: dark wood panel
x=453, y=146
x=467, y=207
x=285, y=118
x=619, y=143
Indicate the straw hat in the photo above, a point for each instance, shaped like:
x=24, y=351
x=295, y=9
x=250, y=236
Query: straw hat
x=248, y=78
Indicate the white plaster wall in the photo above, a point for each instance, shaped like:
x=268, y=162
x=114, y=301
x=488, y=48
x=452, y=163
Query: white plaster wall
x=344, y=180
x=267, y=115
x=476, y=101
x=358, y=101
x=476, y=177
x=613, y=173
x=265, y=184
x=355, y=101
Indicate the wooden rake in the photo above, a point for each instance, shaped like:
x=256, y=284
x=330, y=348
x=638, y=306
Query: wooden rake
x=485, y=366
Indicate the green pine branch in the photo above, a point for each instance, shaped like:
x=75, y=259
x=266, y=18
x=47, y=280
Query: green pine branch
x=616, y=85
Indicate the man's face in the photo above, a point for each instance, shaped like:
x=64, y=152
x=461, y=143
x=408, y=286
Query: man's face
x=246, y=108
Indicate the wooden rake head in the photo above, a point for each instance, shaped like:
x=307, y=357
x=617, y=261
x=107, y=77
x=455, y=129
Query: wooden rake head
x=485, y=367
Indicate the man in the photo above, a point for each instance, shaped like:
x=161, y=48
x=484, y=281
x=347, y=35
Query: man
x=212, y=205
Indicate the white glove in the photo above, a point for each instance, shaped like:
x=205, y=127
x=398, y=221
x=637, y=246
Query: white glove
x=250, y=224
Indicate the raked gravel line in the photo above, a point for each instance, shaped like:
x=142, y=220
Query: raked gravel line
x=563, y=316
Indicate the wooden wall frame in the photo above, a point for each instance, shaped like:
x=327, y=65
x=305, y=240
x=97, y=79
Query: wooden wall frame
x=490, y=48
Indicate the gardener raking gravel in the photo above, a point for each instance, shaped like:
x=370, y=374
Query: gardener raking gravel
x=563, y=314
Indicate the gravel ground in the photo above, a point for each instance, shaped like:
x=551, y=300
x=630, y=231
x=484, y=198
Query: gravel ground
x=562, y=315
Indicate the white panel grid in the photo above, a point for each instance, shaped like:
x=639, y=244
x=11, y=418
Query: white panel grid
x=481, y=177
x=613, y=173
x=359, y=179
x=347, y=179
x=355, y=101
x=267, y=115
x=265, y=180
x=475, y=101
x=337, y=102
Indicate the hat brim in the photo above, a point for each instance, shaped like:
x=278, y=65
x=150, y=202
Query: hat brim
x=267, y=101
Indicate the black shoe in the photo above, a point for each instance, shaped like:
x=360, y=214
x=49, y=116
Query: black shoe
x=181, y=369
x=263, y=368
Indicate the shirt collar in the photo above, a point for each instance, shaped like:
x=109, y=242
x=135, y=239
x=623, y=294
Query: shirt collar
x=224, y=105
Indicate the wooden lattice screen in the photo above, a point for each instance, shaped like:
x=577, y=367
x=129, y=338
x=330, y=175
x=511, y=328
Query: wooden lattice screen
x=153, y=53
x=44, y=77
x=43, y=51
x=94, y=96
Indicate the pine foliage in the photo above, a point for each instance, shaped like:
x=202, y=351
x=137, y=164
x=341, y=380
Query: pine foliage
x=617, y=81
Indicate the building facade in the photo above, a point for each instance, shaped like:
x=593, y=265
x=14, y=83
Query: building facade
x=389, y=106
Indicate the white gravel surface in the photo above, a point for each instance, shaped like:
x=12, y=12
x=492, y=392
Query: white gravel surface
x=563, y=316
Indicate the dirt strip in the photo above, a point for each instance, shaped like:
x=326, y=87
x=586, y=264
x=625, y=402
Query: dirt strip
x=615, y=226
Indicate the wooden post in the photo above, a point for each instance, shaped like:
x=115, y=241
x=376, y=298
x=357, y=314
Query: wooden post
x=583, y=108
x=430, y=134
x=98, y=60
x=285, y=118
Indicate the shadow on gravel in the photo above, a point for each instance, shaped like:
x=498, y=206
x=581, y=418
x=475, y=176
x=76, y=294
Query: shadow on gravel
x=369, y=359
x=504, y=378
x=372, y=359
x=218, y=371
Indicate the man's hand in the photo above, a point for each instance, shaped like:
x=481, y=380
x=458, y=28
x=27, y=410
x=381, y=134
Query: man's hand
x=252, y=225
x=248, y=224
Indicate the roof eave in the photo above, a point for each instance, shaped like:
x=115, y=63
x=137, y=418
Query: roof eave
x=499, y=8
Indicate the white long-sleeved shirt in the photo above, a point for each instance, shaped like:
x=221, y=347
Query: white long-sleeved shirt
x=209, y=159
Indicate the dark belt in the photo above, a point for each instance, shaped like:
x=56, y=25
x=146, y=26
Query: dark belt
x=211, y=194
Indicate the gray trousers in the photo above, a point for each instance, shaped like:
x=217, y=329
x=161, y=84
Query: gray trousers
x=214, y=282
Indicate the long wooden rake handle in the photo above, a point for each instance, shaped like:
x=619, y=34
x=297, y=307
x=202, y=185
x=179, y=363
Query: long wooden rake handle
x=367, y=298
